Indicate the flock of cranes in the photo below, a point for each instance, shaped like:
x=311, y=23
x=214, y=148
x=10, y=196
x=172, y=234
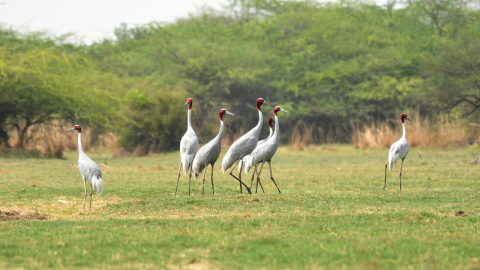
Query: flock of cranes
x=247, y=152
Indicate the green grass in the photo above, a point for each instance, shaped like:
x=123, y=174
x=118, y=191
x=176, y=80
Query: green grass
x=331, y=214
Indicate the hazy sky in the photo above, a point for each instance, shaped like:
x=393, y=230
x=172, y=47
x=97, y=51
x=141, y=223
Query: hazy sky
x=93, y=19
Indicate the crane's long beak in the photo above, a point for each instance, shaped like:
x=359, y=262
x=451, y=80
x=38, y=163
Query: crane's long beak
x=409, y=120
x=71, y=129
x=227, y=112
x=186, y=103
x=283, y=110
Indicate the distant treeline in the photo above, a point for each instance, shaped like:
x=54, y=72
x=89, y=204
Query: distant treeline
x=333, y=66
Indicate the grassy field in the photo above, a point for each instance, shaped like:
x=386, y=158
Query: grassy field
x=332, y=214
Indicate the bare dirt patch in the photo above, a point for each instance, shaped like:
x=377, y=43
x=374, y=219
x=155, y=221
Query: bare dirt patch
x=20, y=214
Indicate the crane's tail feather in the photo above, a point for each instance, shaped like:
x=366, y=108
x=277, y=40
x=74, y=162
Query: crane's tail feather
x=247, y=160
x=97, y=184
x=392, y=159
x=196, y=169
x=241, y=164
x=186, y=165
x=226, y=162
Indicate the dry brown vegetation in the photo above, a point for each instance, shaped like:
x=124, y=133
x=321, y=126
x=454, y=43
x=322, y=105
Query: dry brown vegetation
x=53, y=140
x=420, y=133
x=302, y=135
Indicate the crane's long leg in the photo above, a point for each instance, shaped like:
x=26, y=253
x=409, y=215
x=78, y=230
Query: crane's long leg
x=85, y=200
x=271, y=176
x=248, y=189
x=189, y=179
x=253, y=176
x=256, y=188
x=91, y=196
x=203, y=181
x=258, y=175
x=179, y=170
x=241, y=165
x=240, y=176
x=401, y=167
x=385, y=185
x=213, y=190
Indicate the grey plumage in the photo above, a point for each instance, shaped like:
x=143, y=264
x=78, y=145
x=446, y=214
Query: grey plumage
x=398, y=150
x=91, y=172
x=188, y=149
x=243, y=146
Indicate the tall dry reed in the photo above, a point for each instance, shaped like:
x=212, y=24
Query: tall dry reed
x=419, y=133
x=52, y=139
x=302, y=135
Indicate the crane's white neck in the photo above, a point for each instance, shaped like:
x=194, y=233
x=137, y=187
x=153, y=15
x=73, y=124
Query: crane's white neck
x=260, y=123
x=80, y=148
x=190, y=119
x=220, y=132
x=404, y=136
x=271, y=132
x=276, y=133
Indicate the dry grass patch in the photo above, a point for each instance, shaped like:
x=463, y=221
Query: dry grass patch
x=20, y=213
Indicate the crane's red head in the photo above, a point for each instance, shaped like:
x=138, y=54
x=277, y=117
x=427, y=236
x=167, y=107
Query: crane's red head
x=260, y=102
x=270, y=122
x=404, y=116
x=189, y=102
x=222, y=112
x=277, y=109
x=77, y=128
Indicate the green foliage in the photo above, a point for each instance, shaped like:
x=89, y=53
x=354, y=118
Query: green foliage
x=332, y=65
x=155, y=121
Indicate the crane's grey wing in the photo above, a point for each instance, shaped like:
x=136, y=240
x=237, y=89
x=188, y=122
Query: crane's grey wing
x=206, y=155
x=239, y=149
x=88, y=168
x=188, y=149
x=261, y=142
x=188, y=143
x=262, y=153
x=243, y=147
x=403, y=150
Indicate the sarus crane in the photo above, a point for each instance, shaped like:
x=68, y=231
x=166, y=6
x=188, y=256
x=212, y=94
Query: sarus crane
x=188, y=148
x=398, y=150
x=88, y=169
x=270, y=125
x=209, y=153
